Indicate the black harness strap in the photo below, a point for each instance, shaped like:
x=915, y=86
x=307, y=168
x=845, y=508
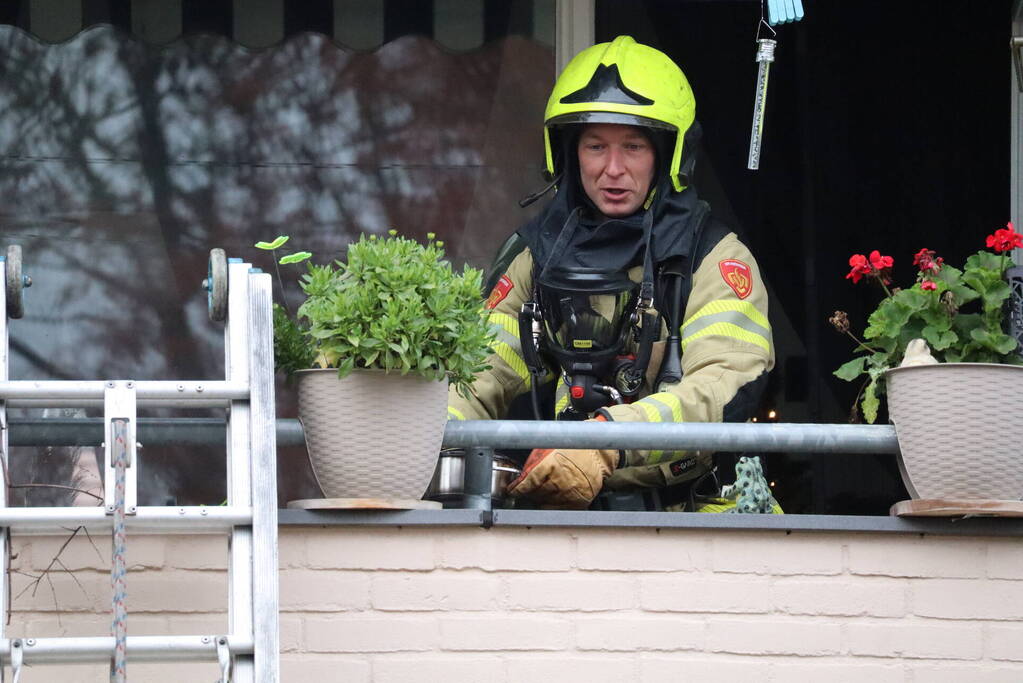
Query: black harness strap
x=676, y=284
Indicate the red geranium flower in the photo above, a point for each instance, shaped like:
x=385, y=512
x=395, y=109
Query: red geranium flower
x=880, y=262
x=928, y=285
x=1005, y=239
x=860, y=267
x=925, y=260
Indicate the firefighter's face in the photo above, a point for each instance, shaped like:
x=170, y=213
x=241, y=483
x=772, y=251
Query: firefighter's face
x=616, y=165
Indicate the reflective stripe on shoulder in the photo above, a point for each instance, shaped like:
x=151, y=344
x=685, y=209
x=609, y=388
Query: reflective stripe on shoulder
x=728, y=318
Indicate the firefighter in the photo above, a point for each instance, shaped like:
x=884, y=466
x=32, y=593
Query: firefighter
x=624, y=293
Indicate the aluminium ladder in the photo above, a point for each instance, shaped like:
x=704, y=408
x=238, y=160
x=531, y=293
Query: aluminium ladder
x=248, y=653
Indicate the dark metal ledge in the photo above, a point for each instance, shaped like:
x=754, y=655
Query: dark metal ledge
x=380, y=517
x=977, y=526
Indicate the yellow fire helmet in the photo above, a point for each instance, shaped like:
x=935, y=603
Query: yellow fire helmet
x=623, y=82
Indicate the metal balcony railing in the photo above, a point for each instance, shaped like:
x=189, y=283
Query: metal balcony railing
x=821, y=439
x=738, y=437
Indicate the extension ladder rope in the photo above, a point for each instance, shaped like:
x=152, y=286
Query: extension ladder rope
x=119, y=625
x=250, y=652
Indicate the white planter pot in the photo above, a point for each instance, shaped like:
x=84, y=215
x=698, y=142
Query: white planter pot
x=956, y=428
x=372, y=434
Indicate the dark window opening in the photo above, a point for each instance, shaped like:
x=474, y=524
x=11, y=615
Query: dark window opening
x=872, y=140
x=114, y=12
x=14, y=13
x=407, y=18
x=207, y=16
x=312, y=15
x=507, y=17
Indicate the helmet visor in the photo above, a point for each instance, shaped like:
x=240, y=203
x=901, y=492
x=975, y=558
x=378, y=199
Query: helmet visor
x=609, y=117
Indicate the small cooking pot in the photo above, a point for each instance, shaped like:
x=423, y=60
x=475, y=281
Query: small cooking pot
x=448, y=481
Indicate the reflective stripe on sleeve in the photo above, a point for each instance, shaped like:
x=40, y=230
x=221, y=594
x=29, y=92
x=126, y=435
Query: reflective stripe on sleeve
x=660, y=407
x=513, y=359
x=561, y=398
x=505, y=322
x=728, y=318
x=507, y=345
x=455, y=414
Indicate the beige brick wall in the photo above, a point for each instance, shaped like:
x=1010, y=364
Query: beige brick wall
x=509, y=605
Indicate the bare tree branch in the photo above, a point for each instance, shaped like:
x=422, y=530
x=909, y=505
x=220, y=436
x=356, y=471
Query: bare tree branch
x=37, y=579
x=56, y=486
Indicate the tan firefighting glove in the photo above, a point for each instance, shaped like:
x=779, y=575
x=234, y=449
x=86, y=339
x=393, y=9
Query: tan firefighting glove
x=564, y=478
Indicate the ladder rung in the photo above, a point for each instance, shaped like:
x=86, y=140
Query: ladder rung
x=74, y=650
x=181, y=519
x=90, y=390
x=36, y=403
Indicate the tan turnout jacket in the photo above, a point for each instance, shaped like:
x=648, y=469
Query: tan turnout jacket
x=726, y=343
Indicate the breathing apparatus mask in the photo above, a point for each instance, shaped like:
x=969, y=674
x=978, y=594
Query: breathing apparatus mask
x=586, y=319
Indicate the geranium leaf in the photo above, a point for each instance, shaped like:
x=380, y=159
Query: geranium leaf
x=980, y=336
x=911, y=300
x=949, y=275
x=985, y=260
x=936, y=317
x=1003, y=343
x=974, y=279
x=996, y=294
x=852, y=369
x=963, y=294
x=939, y=339
x=870, y=402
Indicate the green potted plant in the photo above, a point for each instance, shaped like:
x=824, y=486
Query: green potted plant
x=374, y=345
x=961, y=371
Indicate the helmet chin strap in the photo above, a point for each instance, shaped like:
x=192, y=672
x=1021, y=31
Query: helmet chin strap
x=691, y=139
x=529, y=199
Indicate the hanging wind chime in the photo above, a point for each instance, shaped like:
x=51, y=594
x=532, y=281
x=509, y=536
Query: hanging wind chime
x=779, y=12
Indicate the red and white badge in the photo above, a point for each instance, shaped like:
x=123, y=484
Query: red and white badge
x=500, y=291
x=738, y=276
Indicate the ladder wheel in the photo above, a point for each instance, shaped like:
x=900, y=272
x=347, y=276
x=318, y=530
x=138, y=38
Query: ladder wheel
x=15, y=283
x=216, y=286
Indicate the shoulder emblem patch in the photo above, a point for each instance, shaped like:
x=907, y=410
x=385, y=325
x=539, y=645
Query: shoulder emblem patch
x=500, y=291
x=738, y=276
